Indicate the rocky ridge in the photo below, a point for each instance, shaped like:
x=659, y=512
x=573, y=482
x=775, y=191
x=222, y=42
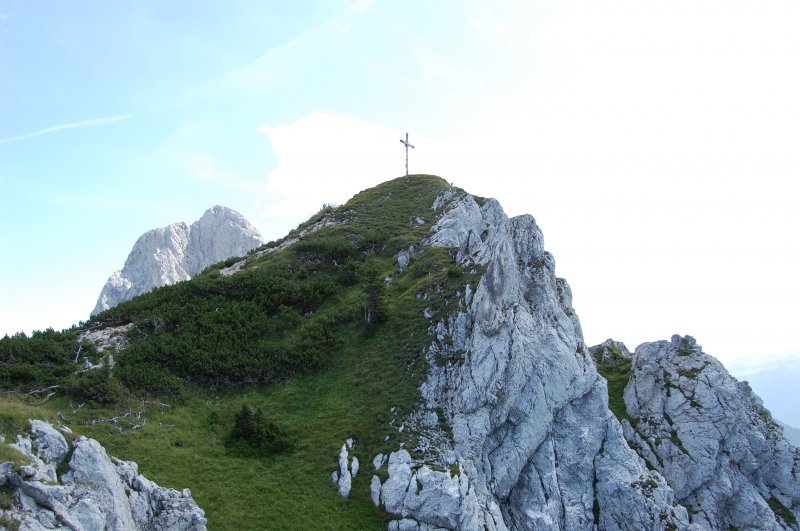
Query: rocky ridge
x=179, y=252
x=712, y=439
x=533, y=443
x=94, y=491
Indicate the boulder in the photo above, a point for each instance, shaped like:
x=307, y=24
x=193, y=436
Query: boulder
x=95, y=492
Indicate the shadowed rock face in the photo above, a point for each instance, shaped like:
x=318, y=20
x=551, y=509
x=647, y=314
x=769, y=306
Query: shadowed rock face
x=96, y=491
x=711, y=438
x=179, y=252
x=532, y=437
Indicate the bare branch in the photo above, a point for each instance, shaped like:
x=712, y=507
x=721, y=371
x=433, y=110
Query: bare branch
x=38, y=391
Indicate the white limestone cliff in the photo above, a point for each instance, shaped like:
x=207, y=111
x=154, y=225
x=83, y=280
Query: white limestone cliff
x=179, y=252
x=94, y=491
x=533, y=440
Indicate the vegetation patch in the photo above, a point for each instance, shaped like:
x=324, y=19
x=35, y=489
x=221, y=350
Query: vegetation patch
x=8, y=523
x=617, y=375
x=691, y=374
x=43, y=359
x=676, y=440
x=782, y=512
x=255, y=436
x=686, y=347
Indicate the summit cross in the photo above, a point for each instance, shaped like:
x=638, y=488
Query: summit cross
x=405, y=143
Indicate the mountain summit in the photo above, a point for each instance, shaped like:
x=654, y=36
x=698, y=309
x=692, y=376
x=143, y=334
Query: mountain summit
x=167, y=255
x=410, y=360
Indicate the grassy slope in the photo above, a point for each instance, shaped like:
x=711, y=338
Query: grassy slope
x=372, y=370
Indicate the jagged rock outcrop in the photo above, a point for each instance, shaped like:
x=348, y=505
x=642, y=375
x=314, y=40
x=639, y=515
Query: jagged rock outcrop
x=711, y=438
x=178, y=252
x=533, y=441
x=610, y=352
x=94, y=492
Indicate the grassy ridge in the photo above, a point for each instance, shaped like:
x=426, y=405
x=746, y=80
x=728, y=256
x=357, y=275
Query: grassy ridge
x=293, y=320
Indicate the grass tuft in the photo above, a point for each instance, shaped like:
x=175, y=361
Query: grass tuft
x=617, y=375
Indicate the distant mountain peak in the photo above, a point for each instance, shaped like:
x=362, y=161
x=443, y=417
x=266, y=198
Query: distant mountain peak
x=177, y=252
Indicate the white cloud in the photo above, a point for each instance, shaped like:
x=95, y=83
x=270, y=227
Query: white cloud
x=71, y=125
x=324, y=158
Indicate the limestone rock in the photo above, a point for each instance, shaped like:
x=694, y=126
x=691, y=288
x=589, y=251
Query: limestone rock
x=375, y=490
x=609, y=352
x=711, y=438
x=535, y=443
x=378, y=461
x=348, y=469
x=97, y=491
x=178, y=252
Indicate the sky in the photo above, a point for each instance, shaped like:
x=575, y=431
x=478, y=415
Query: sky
x=656, y=143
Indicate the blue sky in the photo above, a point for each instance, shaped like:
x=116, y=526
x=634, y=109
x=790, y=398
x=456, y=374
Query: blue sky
x=654, y=142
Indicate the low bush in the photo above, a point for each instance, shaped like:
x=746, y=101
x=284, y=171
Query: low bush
x=97, y=385
x=255, y=436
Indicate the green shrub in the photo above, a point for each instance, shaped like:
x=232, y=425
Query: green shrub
x=43, y=359
x=254, y=436
x=97, y=385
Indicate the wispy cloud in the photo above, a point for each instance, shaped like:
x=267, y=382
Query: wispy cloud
x=71, y=125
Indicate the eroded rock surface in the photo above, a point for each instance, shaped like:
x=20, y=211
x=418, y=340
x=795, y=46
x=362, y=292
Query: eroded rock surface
x=94, y=492
x=711, y=438
x=179, y=252
x=535, y=444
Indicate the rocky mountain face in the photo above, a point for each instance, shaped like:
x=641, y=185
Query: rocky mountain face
x=76, y=485
x=724, y=456
x=532, y=442
x=178, y=252
x=518, y=424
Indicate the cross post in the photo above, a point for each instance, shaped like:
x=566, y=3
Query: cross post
x=405, y=143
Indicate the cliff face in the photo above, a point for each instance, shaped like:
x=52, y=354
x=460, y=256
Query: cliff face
x=178, y=252
x=711, y=438
x=533, y=441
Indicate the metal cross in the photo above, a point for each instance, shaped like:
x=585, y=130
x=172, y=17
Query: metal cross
x=405, y=143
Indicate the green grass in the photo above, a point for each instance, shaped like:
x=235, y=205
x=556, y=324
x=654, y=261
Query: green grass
x=782, y=512
x=183, y=446
x=617, y=375
x=272, y=318
x=691, y=374
x=9, y=524
x=686, y=347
